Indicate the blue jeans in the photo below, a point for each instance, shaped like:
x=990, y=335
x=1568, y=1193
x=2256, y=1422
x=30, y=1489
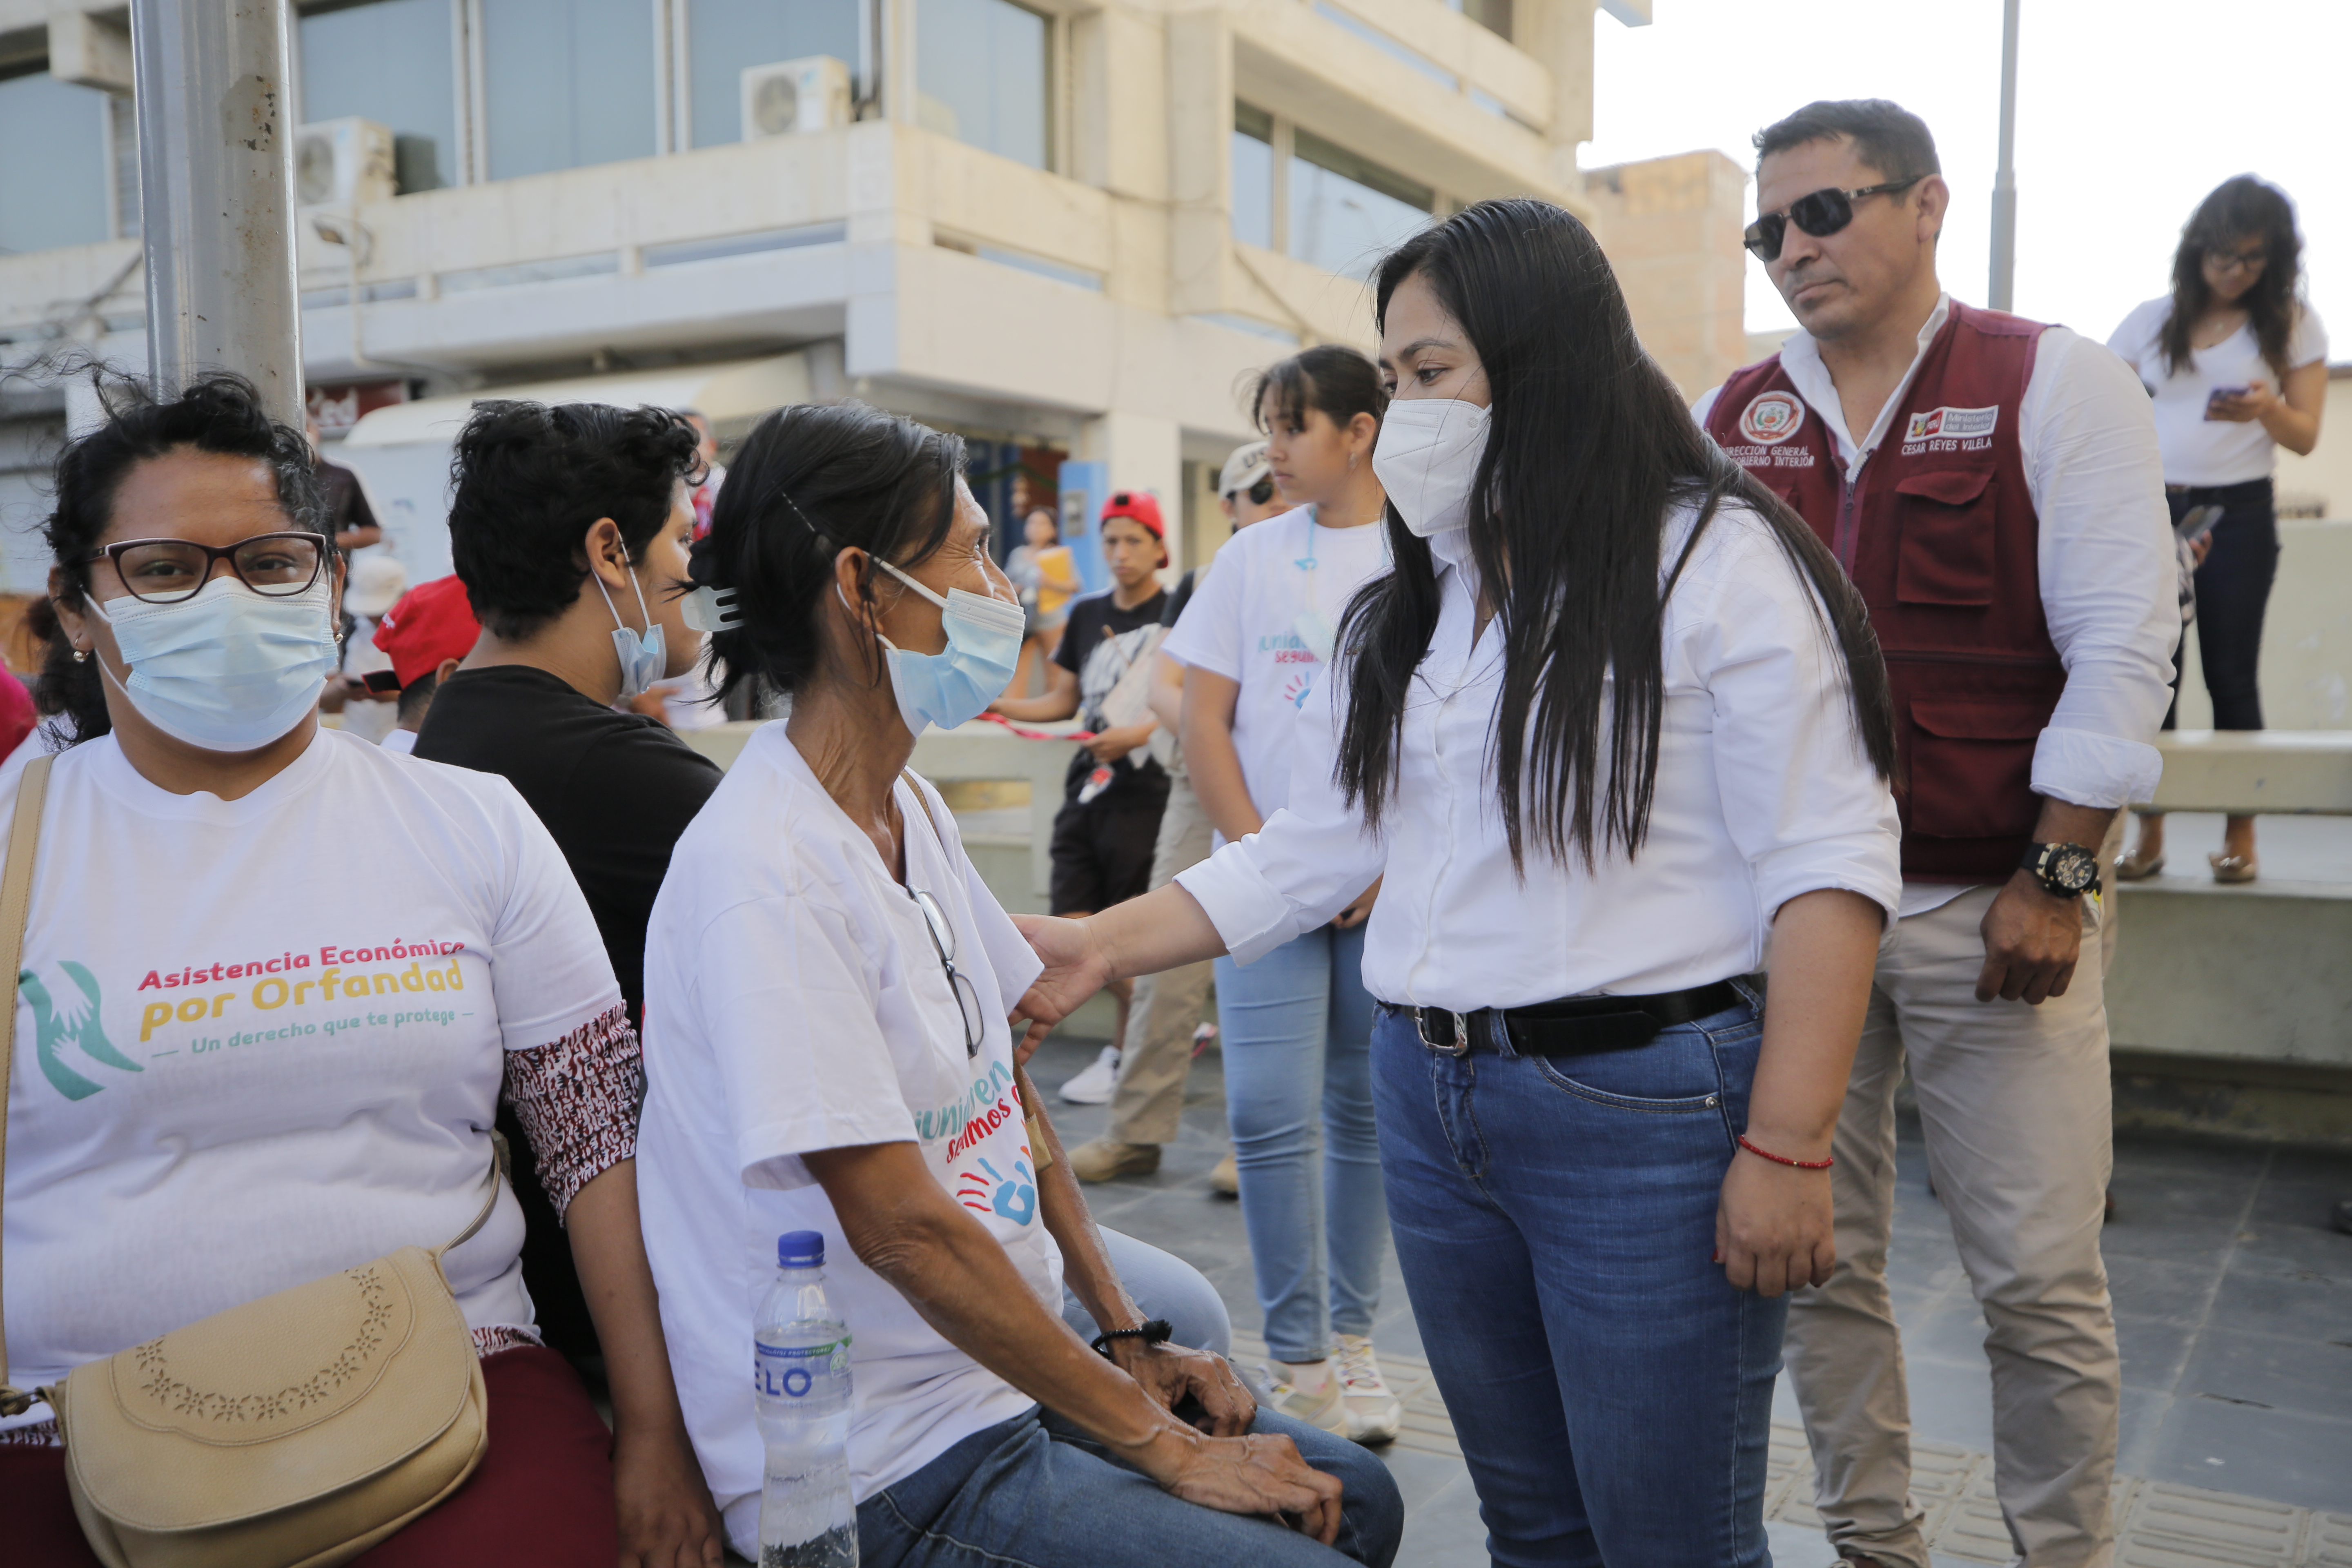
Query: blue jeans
x=1035, y=1492
x=1296, y=1028
x=1555, y=1219
x=1163, y=1285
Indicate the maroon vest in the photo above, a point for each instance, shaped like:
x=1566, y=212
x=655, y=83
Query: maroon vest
x=1940, y=535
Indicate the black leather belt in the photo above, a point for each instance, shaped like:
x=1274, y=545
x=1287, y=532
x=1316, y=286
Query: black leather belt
x=1573, y=1026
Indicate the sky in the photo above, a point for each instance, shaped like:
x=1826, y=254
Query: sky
x=2128, y=112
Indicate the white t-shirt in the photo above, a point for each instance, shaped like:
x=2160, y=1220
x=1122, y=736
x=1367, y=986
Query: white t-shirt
x=2198, y=450
x=794, y=1001
x=196, y=1120
x=1265, y=619
x=400, y=743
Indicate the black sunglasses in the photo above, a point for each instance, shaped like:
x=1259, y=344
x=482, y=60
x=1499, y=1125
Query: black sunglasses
x=1259, y=493
x=1821, y=214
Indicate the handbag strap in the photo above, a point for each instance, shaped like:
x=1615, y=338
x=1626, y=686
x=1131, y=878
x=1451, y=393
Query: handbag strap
x=924, y=801
x=499, y=1157
x=15, y=908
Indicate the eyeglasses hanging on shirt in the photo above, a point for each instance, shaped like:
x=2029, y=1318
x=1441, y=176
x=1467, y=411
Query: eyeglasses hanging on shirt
x=960, y=985
x=1820, y=214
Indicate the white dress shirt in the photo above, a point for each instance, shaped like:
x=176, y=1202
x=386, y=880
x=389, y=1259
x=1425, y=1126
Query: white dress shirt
x=2110, y=589
x=1763, y=793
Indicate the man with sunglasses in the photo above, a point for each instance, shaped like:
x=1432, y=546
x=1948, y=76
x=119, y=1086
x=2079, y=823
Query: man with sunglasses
x=1993, y=487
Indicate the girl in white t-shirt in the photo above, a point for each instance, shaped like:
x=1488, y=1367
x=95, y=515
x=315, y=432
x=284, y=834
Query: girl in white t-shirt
x=827, y=981
x=2238, y=366
x=1297, y=1026
x=276, y=983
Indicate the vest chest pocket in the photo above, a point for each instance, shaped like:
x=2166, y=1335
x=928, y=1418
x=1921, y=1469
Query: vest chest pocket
x=1945, y=556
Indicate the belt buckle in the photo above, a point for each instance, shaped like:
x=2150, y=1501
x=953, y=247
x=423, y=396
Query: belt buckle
x=1461, y=1046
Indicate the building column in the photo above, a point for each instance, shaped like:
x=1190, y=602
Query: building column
x=1142, y=453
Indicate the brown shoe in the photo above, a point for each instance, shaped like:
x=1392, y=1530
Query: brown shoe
x=1104, y=1160
x=2233, y=868
x=1225, y=1181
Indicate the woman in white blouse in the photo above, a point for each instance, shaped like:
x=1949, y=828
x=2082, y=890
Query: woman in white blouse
x=1614, y=719
x=2238, y=365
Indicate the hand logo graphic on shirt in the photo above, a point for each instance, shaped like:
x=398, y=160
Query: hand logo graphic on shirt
x=1015, y=1198
x=76, y=1020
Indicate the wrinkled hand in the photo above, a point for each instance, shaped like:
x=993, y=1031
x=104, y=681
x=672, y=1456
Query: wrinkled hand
x=2032, y=941
x=1258, y=1474
x=1168, y=1373
x=2242, y=407
x=1112, y=745
x=666, y=1517
x=1360, y=909
x=1772, y=1224
x=1076, y=967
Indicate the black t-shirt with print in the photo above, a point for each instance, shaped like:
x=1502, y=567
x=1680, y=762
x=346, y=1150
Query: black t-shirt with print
x=1098, y=642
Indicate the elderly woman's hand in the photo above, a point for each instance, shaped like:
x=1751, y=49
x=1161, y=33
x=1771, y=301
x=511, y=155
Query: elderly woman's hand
x=1259, y=1474
x=1169, y=1373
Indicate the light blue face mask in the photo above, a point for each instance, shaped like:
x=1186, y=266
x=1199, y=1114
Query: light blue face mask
x=226, y=668
x=956, y=685
x=644, y=656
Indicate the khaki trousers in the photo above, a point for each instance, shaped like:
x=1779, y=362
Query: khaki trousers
x=2016, y=1105
x=1156, y=1057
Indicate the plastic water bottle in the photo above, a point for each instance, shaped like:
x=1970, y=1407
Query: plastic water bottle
x=800, y=1379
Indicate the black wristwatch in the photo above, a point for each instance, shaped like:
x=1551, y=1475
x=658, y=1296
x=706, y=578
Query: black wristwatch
x=2064, y=870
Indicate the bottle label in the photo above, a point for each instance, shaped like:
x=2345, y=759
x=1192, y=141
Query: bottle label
x=789, y=1371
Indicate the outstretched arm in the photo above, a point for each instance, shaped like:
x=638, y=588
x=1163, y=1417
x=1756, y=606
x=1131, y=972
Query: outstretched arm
x=1164, y=928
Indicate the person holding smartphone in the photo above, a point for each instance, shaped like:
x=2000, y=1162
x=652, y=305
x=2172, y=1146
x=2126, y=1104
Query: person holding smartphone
x=2237, y=363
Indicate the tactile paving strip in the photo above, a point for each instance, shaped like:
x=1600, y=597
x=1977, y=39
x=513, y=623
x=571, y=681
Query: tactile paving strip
x=2158, y=1525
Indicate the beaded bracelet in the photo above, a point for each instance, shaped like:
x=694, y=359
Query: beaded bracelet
x=1783, y=1159
x=1155, y=1333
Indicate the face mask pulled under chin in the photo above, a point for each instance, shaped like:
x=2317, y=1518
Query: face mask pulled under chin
x=955, y=685
x=1427, y=458
x=225, y=669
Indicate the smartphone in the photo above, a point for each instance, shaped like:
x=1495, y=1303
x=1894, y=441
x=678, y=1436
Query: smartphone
x=383, y=682
x=2221, y=393
x=2197, y=522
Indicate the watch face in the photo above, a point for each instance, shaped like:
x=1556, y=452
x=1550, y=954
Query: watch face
x=2073, y=869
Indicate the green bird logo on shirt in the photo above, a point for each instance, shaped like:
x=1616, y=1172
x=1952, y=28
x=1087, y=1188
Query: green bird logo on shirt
x=74, y=1020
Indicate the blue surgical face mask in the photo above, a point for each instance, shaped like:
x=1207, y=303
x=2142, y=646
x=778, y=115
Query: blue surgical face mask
x=226, y=668
x=644, y=656
x=955, y=685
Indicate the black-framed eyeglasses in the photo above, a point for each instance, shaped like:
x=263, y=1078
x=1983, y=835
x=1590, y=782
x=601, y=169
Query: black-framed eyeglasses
x=165, y=571
x=2237, y=261
x=1823, y=213
x=960, y=985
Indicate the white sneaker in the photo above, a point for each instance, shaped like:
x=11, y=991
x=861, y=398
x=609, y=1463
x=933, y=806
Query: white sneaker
x=1374, y=1413
x=1328, y=1409
x=1093, y=1086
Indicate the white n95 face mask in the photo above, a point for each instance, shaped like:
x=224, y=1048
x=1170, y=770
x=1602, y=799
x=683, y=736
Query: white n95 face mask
x=955, y=685
x=226, y=669
x=1427, y=458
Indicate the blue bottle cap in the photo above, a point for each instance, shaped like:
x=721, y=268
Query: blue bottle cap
x=800, y=1249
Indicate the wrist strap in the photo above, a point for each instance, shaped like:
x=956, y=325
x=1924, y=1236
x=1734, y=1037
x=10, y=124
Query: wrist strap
x=1155, y=1333
x=1783, y=1159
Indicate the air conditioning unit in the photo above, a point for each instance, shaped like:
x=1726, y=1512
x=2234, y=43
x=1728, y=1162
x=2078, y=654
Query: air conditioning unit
x=808, y=94
x=341, y=163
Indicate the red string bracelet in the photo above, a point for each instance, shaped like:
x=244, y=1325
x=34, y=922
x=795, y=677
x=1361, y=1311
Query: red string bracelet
x=1783, y=1159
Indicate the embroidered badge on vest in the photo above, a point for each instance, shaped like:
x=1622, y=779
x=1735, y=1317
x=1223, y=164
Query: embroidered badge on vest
x=1771, y=417
x=1952, y=424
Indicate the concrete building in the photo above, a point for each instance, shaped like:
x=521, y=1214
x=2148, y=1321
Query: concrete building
x=1066, y=228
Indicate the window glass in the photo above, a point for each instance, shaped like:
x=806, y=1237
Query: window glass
x=1495, y=16
x=1253, y=176
x=566, y=83
x=980, y=75
x=389, y=61
x=59, y=197
x=1347, y=212
x=723, y=37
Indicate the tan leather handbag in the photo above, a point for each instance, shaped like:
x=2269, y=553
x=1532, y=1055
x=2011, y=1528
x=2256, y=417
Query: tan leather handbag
x=296, y=1431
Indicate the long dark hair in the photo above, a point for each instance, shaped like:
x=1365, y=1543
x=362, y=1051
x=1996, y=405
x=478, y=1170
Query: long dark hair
x=1589, y=444
x=2239, y=209
x=809, y=481
x=217, y=413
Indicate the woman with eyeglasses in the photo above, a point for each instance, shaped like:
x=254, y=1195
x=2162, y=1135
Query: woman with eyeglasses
x=827, y=981
x=1613, y=723
x=276, y=985
x=2237, y=362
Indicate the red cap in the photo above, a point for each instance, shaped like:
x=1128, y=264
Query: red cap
x=433, y=621
x=1140, y=505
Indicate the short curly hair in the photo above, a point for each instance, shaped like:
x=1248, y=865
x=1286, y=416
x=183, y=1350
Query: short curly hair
x=528, y=480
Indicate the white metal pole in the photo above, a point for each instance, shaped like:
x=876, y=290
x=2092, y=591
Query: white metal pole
x=217, y=194
x=2001, y=288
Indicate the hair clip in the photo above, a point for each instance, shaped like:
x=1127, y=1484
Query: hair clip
x=712, y=610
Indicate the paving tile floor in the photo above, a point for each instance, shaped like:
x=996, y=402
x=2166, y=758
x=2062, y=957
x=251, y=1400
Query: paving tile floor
x=2233, y=1306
